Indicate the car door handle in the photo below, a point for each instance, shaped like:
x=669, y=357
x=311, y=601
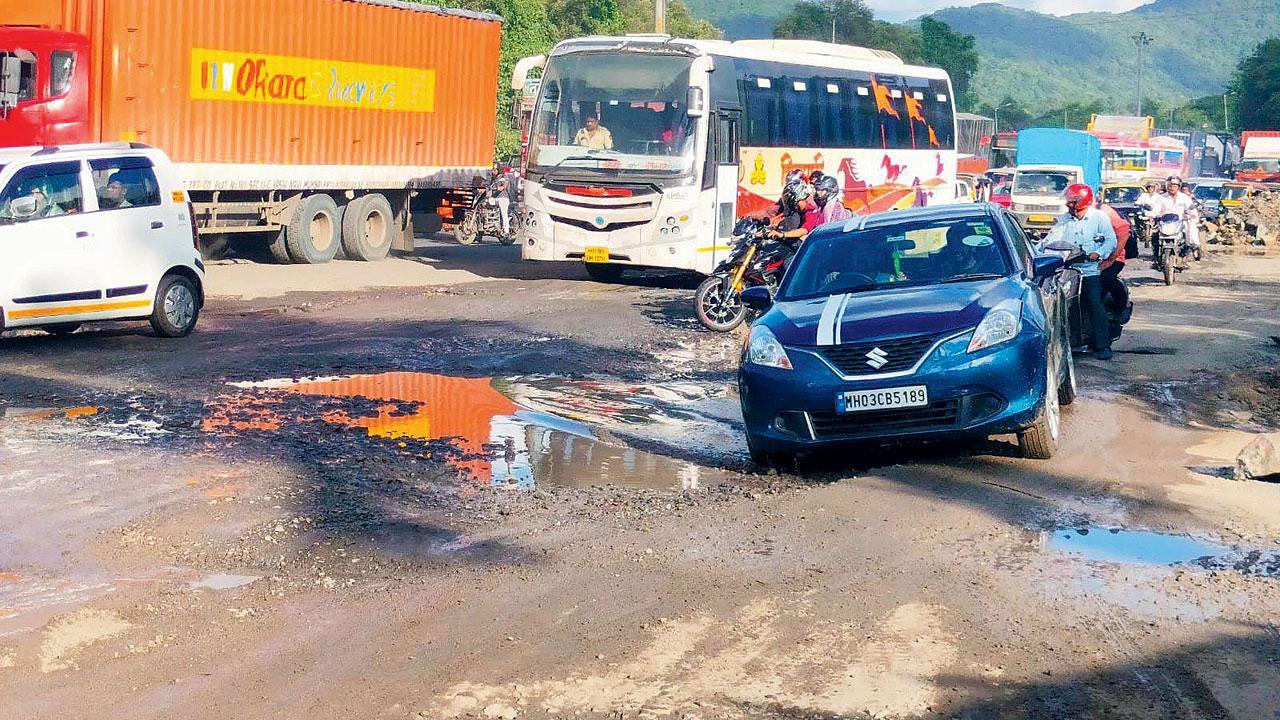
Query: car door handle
x=156, y=224
x=83, y=235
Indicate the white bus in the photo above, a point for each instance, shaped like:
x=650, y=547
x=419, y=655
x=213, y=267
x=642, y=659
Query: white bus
x=689, y=135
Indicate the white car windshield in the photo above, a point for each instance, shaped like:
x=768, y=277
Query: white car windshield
x=614, y=111
x=1043, y=184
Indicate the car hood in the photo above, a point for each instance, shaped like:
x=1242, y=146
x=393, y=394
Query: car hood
x=857, y=317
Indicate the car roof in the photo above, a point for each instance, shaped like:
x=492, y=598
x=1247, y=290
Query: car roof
x=74, y=152
x=954, y=211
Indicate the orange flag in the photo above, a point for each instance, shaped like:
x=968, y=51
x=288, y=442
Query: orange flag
x=884, y=104
x=913, y=108
x=933, y=138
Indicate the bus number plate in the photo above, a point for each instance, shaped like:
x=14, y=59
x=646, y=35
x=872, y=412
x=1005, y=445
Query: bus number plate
x=596, y=255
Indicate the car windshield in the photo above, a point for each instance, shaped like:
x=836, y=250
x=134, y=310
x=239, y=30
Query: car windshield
x=1208, y=192
x=1043, y=184
x=1001, y=184
x=1234, y=192
x=906, y=254
x=614, y=111
x=1121, y=194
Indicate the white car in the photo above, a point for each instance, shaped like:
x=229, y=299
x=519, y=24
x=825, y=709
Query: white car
x=96, y=232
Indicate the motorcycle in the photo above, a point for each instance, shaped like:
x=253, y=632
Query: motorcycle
x=484, y=217
x=1169, y=241
x=1118, y=313
x=754, y=260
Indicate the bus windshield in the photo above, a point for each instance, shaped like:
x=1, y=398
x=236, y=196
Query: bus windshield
x=614, y=111
x=1124, y=160
x=1260, y=165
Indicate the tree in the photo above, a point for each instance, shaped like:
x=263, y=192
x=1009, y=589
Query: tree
x=575, y=18
x=637, y=16
x=855, y=23
x=951, y=51
x=1257, y=87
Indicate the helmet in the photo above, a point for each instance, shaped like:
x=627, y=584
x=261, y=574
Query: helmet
x=825, y=188
x=793, y=176
x=815, y=176
x=795, y=193
x=1079, y=194
x=1173, y=180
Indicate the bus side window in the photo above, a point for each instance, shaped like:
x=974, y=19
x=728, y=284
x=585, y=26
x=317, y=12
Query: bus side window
x=27, y=73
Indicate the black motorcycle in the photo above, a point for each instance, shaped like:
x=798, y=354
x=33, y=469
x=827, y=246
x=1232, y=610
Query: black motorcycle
x=484, y=217
x=1118, y=312
x=754, y=260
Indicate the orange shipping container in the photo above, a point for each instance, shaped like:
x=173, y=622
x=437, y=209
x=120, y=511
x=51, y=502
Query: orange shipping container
x=309, y=94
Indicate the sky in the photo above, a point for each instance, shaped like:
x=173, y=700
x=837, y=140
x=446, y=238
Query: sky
x=899, y=10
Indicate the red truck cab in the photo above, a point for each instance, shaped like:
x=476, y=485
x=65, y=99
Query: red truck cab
x=44, y=86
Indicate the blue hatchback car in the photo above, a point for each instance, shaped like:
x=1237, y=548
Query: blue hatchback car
x=908, y=325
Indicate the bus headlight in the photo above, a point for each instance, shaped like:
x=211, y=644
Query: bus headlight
x=665, y=231
x=671, y=221
x=675, y=231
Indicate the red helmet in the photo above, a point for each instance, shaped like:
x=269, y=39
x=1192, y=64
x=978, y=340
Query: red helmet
x=1079, y=195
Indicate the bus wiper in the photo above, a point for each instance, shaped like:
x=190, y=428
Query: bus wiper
x=564, y=160
x=971, y=276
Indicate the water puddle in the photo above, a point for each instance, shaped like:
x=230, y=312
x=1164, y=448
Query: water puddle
x=475, y=426
x=1146, y=547
x=222, y=581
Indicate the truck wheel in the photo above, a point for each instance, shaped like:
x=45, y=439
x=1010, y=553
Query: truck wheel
x=313, y=234
x=279, y=249
x=213, y=247
x=368, y=225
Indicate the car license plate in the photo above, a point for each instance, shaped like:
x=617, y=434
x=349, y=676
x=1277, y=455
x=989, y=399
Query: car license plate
x=596, y=255
x=1041, y=218
x=886, y=399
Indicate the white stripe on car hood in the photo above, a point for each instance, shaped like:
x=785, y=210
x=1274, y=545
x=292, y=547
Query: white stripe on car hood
x=827, y=323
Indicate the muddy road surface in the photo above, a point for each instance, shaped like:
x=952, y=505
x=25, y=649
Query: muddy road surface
x=456, y=485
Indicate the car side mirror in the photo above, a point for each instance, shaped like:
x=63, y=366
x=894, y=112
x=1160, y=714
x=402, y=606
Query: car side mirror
x=1046, y=266
x=757, y=298
x=23, y=207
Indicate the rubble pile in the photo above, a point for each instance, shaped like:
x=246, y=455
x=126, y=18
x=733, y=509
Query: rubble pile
x=1256, y=222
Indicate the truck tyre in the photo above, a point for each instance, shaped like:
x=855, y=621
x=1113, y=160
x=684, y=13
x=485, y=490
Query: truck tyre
x=368, y=225
x=213, y=247
x=313, y=235
x=277, y=247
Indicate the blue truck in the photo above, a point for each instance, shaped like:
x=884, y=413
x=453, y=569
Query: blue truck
x=1050, y=159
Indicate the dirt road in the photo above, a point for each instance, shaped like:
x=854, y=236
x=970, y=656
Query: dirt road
x=502, y=490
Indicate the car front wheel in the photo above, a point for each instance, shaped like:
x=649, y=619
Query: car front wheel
x=177, y=307
x=1040, y=441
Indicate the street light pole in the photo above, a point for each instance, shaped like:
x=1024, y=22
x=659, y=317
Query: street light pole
x=1142, y=39
x=833, y=22
x=1226, y=122
x=660, y=16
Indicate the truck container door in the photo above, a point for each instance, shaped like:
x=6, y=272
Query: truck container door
x=49, y=264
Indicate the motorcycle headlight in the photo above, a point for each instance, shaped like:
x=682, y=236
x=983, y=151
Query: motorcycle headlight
x=764, y=349
x=1001, y=324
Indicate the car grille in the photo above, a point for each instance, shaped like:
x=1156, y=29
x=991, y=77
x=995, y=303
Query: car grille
x=935, y=415
x=899, y=354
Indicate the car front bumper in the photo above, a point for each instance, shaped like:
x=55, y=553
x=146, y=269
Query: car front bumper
x=993, y=391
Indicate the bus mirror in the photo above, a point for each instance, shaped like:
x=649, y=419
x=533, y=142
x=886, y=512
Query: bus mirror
x=10, y=81
x=697, y=102
x=520, y=73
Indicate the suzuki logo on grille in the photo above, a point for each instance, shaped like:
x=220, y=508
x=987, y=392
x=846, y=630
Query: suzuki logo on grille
x=877, y=358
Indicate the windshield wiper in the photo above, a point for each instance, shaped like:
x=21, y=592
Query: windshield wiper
x=971, y=276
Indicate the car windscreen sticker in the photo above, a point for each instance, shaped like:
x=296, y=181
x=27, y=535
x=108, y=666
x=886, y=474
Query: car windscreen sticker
x=981, y=228
x=977, y=240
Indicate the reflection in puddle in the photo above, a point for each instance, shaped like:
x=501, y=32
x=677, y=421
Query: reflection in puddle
x=497, y=442
x=222, y=581
x=1144, y=547
x=1132, y=546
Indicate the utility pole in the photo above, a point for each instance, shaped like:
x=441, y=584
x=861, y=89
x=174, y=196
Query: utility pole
x=1226, y=121
x=833, y=22
x=1142, y=40
x=660, y=16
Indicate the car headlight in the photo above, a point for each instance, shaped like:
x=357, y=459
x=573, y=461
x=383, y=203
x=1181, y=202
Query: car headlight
x=764, y=349
x=1002, y=324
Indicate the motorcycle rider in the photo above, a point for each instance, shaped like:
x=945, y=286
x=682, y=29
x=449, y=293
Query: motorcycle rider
x=1111, y=267
x=778, y=214
x=501, y=189
x=1089, y=229
x=801, y=214
x=1179, y=201
x=827, y=193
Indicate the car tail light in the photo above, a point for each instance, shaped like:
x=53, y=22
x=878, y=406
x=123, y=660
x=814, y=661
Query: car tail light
x=195, y=234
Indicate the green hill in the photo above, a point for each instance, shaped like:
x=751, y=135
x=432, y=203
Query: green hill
x=1044, y=61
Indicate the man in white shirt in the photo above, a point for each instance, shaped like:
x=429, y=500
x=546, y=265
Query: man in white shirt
x=1178, y=200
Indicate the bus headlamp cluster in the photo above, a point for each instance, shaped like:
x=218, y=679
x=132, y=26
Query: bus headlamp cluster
x=675, y=225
